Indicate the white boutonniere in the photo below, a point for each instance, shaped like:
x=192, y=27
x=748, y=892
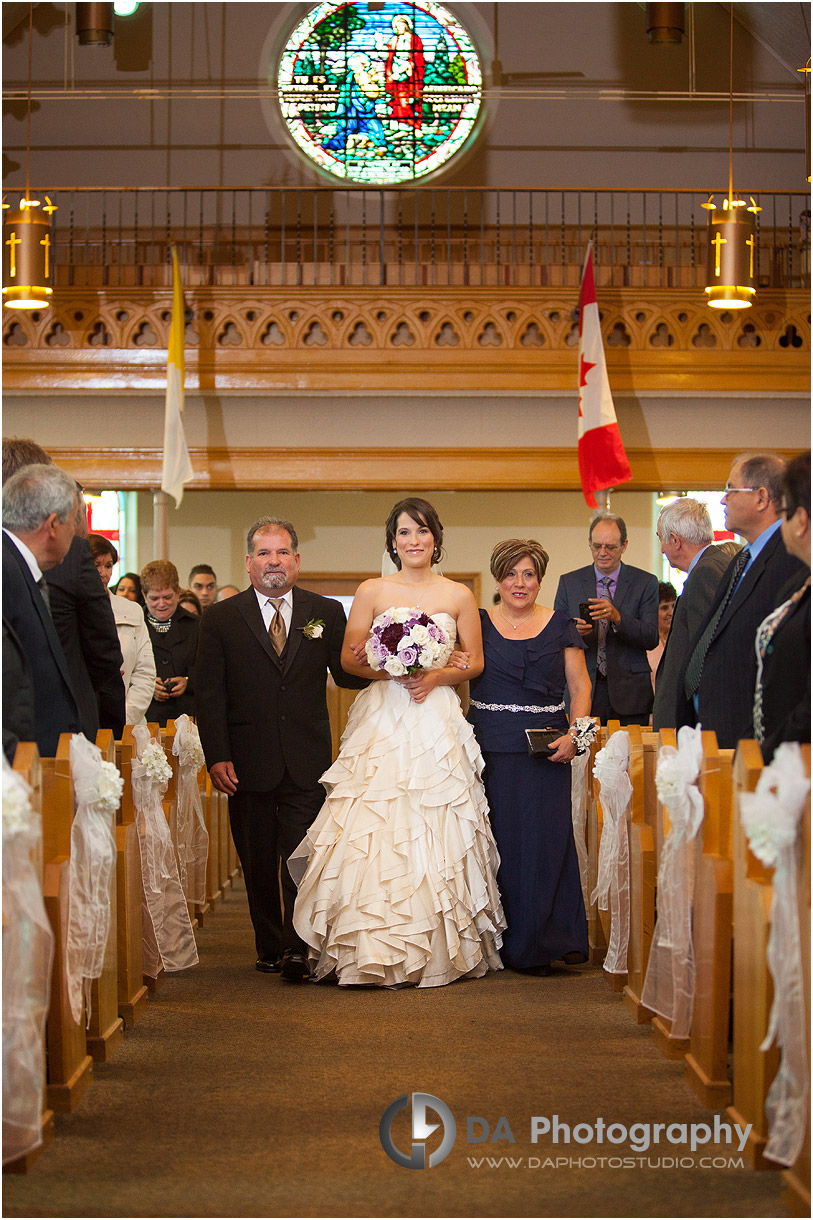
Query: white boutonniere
x=313, y=629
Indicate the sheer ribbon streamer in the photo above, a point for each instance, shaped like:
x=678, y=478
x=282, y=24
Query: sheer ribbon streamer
x=193, y=837
x=613, y=881
x=670, y=976
x=770, y=819
x=28, y=948
x=578, y=798
x=168, y=939
x=97, y=786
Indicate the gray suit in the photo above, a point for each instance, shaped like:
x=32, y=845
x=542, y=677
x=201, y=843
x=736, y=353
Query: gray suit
x=690, y=611
x=629, y=678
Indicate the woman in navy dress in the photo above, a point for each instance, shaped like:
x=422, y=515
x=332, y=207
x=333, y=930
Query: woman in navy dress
x=531, y=652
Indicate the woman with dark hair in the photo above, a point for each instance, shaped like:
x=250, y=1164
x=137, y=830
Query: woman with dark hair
x=782, y=692
x=174, y=638
x=531, y=654
x=129, y=586
x=191, y=602
x=667, y=599
x=138, y=668
x=397, y=874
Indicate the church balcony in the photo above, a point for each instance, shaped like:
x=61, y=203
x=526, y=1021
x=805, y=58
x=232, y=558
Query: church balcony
x=369, y=290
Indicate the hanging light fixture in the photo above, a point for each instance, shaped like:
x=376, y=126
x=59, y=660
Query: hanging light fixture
x=665, y=23
x=95, y=23
x=731, y=263
x=28, y=245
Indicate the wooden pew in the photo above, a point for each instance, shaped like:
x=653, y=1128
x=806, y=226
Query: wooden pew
x=706, y=1061
x=27, y=764
x=753, y=1069
x=132, y=991
x=70, y=1067
x=106, y=1028
x=643, y=868
x=211, y=814
x=796, y=1192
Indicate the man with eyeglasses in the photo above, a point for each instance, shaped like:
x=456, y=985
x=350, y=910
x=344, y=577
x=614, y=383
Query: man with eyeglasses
x=619, y=624
x=717, y=686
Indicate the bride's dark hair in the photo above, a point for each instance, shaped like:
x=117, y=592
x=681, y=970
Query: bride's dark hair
x=421, y=512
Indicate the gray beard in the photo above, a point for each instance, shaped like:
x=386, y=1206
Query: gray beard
x=273, y=580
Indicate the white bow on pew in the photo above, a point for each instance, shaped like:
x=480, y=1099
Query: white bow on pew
x=669, y=984
x=193, y=837
x=613, y=880
x=770, y=819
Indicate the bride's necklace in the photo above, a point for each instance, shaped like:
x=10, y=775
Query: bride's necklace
x=424, y=585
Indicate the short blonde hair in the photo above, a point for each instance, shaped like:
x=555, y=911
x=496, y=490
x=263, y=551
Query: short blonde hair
x=160, y=574
x=507, y=554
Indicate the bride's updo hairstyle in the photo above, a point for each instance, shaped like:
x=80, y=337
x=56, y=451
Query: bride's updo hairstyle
x=507, y=555
x=422, y=513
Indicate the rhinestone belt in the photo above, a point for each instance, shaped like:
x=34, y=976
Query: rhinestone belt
x=515, y=707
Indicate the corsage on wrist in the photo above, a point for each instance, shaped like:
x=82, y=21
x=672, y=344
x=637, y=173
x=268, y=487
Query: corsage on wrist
x=583, y=731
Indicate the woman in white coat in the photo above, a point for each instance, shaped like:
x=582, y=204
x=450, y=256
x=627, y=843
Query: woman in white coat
x=138, y=669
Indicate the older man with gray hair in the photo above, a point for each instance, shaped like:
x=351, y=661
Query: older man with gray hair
x=39, y=518
x=686, y=536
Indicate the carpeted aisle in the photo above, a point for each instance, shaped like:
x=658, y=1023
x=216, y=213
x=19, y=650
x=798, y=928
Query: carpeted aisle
x=240, y=1095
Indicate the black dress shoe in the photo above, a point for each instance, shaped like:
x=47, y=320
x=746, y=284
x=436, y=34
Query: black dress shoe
x=268, y=965
x=295, y=968
x=574, y=958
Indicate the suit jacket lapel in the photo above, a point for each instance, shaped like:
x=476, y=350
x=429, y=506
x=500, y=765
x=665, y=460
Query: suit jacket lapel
x=298, y=620
x=38, y=602
x=250, y=609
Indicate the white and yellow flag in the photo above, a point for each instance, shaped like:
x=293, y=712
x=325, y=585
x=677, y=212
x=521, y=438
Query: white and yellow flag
x=177, y=468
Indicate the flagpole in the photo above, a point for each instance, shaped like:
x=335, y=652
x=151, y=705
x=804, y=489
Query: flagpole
x=160, y=527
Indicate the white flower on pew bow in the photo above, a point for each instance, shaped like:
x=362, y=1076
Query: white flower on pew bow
x=154, y=761
x=670, y=977
x=770, y=815
x=612, y=890
x=97, y=787
x=17, y=811
x=770, y=818
x=28, y=946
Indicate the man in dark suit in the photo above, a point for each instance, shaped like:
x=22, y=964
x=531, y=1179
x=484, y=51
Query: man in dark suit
x=81, y=612
x=720, y=674
x=686, y=536
x=262, y=713
x=622, y=624
x=39, y=512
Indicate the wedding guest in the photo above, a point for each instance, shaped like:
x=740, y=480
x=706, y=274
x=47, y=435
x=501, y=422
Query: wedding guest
x=782, y=693
x=203, y=583
x=174, y=637
x=129, y=586
x=138, y=667
x=190, y=602
x=531, y=654
x=227, y=591
x=667, y=596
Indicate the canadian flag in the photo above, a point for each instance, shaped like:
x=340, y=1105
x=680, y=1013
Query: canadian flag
x=602, y=460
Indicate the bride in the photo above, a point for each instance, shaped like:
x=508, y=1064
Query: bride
x=397, y=874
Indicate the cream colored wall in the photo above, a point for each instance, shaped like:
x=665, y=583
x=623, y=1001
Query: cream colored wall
x=132, y=420
x=344, y=531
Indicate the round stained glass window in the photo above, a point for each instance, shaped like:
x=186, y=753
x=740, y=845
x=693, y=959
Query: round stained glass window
x=380, y=94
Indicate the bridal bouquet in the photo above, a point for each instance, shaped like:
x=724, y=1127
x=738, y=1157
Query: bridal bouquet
x=407, y=641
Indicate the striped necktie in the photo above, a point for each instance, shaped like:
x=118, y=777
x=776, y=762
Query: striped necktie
x=42, y=585
x=601, y=647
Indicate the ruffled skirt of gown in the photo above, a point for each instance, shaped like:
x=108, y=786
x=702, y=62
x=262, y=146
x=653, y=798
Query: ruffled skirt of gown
x=397, y=875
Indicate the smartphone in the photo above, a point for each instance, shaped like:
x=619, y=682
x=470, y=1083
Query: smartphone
x=584, y=611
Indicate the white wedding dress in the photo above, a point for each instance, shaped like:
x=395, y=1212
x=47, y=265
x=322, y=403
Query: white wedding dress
x=397, y=874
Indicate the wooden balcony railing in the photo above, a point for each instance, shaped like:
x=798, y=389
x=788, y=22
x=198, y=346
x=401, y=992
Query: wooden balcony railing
x=397, y=237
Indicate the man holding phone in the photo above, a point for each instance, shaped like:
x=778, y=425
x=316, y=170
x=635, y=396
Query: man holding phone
x=615, y=609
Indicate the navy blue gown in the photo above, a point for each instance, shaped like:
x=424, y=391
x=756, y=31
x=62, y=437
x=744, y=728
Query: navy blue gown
x=529, y=798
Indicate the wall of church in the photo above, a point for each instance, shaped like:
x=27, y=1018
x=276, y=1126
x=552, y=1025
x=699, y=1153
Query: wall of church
x=344, y=531
x=224, y=139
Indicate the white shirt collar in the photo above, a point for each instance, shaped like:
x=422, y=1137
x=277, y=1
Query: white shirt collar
x=27, y=554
